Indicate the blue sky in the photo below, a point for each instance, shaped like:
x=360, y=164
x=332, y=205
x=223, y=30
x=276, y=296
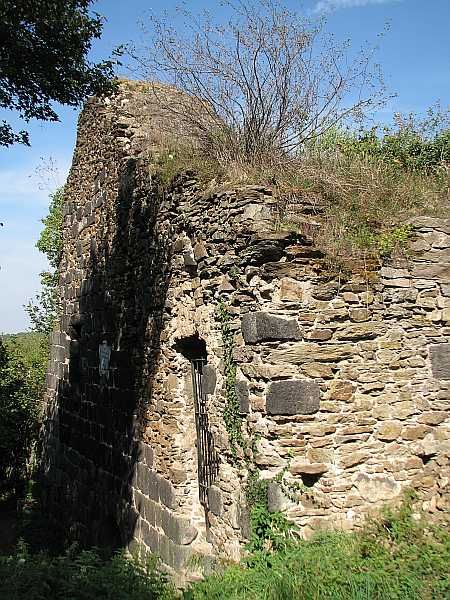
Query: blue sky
x=415, y=57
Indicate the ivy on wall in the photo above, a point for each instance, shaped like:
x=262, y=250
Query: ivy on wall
x=231, y=413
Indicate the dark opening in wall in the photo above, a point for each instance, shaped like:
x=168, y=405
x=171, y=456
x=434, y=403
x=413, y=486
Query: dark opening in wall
x=310, y=479
x=427, y=457
x=192, y=347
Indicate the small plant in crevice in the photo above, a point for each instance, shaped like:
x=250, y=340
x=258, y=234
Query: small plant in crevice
x=231, y=413
x=392, y=240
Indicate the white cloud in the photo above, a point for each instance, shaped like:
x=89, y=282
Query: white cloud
x=22, y=184
x=324, y=6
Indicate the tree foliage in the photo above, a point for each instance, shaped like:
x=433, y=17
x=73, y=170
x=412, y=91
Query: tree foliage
x=20, y=388
x=268, y=79
x=411, y=144
x=44, y=309
x=44, y=46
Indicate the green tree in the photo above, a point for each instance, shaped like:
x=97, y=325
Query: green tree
x=43, y=59
x=19, y=412
x=44, y=309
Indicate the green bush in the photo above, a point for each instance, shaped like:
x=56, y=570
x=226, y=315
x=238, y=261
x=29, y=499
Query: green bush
x=44, y=309
x=396, y=558
x=81, y=577
x=19, y=411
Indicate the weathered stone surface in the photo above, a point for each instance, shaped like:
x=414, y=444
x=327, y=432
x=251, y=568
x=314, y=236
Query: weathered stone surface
x=200, y=251
x=320, y=334
x=215, y=500
x=276, y=500
x=440, y=360
x=209, y=379
x=376, y=488
x=350, y=459
x=437, y=272
x=390, y=273
x=388, y=431
x=341, y=390
x=310, y=352
x=189, y=260
x=295, y=397
x=167, y=493
x=433, y=417
x=359, y=314
x=178, y=529
x=263, y=327
x=300, y=467
x=326, y=291
x=415, y=432
x=360, y=331
x=242, y=396
x=290, y=290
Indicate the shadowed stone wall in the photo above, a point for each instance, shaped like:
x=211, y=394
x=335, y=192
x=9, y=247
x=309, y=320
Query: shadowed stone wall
x=342, y=381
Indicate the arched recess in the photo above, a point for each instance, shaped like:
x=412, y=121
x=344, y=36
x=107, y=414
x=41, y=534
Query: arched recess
x=194, y=349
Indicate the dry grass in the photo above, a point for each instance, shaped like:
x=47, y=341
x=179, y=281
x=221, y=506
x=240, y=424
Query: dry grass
x=362, y=205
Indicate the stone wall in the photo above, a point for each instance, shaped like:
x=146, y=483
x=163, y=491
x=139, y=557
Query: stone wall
x=343, y=381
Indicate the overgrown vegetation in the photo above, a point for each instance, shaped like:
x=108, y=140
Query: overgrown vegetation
x=82, y=576
x=394, y=558
x=44, y=309
x=21, y=386
x=231, y=414
x=399, y=556
x=363, y=186
x=44, y=46
x=270, y=531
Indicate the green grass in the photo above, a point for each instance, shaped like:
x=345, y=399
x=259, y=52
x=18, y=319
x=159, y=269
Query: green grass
x=83, y=576
x=395, y=558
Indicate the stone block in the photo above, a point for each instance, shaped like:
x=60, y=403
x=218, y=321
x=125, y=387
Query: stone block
x=215, y=500
x=209, y=379
x=304, y=352
x=325, y=291
x=263, y=252
x=150, y=510
x=389, y=430
x=167, y=493
x=263, y=327
x=440, y=360
x=320, y=334
x=377, y=488
x=200, y=251
x=293, y=397
x=189, y=260
x=146, y=453
x=433, y=417
x=300, y=467
x=290, y=290
x=178, y=529
x=150, y=536
x=242, y=396
x=360, y=331
x=276, y=500
x=153, y=486
x=142, y=472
